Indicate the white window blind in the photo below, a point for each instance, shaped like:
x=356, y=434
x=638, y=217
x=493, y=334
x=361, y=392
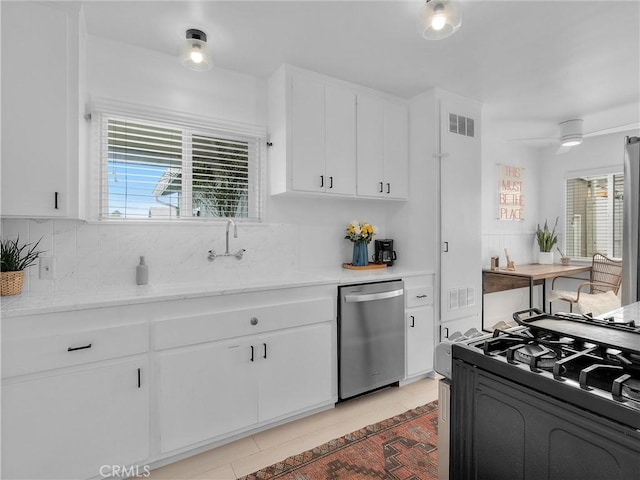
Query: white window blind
x=594, y=216
x=162, y=171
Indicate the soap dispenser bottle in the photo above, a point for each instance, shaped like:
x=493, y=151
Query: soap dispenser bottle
x=142, y=273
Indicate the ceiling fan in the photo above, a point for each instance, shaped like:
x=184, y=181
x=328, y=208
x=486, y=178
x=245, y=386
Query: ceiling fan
x=571, y=134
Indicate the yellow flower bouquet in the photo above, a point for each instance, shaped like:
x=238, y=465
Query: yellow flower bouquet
x=360, y=231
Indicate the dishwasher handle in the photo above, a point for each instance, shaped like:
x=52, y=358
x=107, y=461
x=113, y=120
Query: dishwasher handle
x=373, y=296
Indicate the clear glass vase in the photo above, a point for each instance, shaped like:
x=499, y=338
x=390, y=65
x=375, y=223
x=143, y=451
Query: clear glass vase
x=360, y=254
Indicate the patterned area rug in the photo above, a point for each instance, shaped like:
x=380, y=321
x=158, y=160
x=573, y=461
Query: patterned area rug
x=403, y=447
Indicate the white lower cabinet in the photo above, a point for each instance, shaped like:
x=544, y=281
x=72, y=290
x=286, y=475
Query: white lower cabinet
x=102, y=392
x=76, y=425
x=295, y=371
x=205, y=392
x=420, y=325
x=461, y=325
x=420, y=340
x=210, y=391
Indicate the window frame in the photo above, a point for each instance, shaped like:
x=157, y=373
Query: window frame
x=590, y=174
x=103, y=109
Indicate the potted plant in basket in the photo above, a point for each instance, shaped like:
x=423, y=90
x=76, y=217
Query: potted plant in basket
x=361, y=234
x=14, y=258
x=546, y=240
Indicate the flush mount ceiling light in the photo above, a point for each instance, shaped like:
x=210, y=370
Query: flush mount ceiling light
x=571, y=133
x=438, y=19
x=195, y=52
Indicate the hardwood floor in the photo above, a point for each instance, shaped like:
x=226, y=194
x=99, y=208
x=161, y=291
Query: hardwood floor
x=252, y=453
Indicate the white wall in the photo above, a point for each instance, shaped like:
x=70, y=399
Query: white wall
x=516, y=236
x=297, y=232
x=418, y=246
x=136, y=75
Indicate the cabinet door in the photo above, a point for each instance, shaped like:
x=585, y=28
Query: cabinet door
x=461, y=255
x=420, y=344
x=296, y=370
x=340, y=108
x=370, y=138
x=205, y=392
x=69, y=425
x=40, y=117
x=396, y=151
x=307, y=135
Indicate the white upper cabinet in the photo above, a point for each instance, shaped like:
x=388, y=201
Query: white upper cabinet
x=324, y=141
x=312, y=124
x=41, y=58
x=383, y=159
x=340, y=140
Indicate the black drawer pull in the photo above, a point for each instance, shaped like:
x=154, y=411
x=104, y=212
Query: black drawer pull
x=381, y=187
x=330, y=182
x=73, y=349
x=421, y=296
x=252, y=353
x=321, y=181
x=55, y=201
x=139, y=379
x=413, y=321
x=265, y=350
x=388, y=188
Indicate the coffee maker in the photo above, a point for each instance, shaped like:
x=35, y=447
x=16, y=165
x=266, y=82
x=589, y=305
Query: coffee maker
x=384, y=252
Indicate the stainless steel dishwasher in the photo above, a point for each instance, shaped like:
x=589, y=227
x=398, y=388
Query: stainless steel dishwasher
x=371, y=337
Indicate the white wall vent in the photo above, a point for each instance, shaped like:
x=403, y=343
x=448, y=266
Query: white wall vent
x=461, y=125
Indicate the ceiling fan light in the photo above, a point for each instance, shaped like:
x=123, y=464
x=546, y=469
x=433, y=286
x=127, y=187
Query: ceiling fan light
x=195, y=51
x=438, y=19
x=571, y=133
x=571, y=142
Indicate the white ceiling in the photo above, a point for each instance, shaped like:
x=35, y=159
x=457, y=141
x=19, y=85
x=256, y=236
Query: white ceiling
x=531, y=63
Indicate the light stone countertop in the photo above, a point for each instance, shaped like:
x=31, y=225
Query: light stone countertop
x=30, y=304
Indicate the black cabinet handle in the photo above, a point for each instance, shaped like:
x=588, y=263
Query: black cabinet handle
x=73, y=349
x=413, y=321
x=446, y=247
x=265, y=350
x=321, y=181
x=252, y=353
x=55, y=201
x=139, y=379
x=381, y=187
x=421, y=296
x=388, y=188
x=330, y=182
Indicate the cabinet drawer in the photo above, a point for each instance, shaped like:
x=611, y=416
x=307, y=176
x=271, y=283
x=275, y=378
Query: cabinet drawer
x=177, y=332
x=35, y=354
x=419, y=296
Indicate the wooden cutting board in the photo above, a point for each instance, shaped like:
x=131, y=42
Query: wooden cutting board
x=371, y=266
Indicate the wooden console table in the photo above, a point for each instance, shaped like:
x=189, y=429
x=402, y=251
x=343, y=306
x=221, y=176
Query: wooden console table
x=526, y=276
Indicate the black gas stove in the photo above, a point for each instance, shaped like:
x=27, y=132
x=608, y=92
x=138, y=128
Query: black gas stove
x=594, y=363
x=552, y=377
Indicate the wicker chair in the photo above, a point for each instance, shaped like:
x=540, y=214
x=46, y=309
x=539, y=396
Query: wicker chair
x=606, y=275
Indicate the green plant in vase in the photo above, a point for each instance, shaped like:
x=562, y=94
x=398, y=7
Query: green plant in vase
x=14, y=258
x=546, y=240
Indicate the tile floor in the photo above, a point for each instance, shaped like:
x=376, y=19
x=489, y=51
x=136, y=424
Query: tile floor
x=257, y=451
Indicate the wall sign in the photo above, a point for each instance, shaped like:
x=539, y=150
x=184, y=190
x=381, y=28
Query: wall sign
x=510, y=192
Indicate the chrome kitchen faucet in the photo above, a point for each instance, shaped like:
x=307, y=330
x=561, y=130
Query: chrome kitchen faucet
x=212, y=253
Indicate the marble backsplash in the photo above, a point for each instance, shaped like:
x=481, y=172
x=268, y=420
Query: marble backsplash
x=91, y=255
